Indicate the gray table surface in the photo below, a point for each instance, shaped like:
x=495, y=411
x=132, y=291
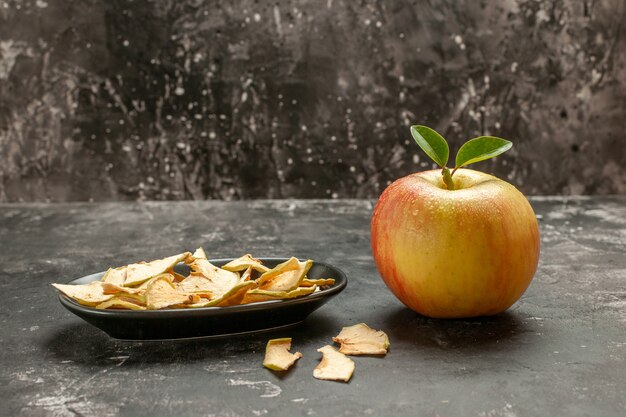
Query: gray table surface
x=558, y=352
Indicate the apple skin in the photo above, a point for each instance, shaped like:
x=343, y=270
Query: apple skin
x=468, y=252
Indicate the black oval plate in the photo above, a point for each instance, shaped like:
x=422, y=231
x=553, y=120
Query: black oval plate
x=209, y=321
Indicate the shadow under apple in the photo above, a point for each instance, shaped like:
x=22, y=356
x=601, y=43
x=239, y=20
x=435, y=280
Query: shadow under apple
x=474, y=334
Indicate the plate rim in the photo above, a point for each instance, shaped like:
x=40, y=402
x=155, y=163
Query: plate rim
x=200, y=311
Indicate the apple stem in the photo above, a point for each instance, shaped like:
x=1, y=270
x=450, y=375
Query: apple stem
x=447, y=178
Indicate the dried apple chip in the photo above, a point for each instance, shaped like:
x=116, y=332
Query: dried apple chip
x=115, y=276
x=335, y=366
x=285, y=276
x=177, y=277
x=138, y=273
x=258, y=295
x=232, y=297
x=306, y=282
x=145, y=284
x=196, y=283
x=236, y=294
x=161, y=293
x=119, y=304
x=218, y=285
x=87, y=294
x=277, y=355
x=198, y=254
x=247, y=275
x=207, y=285
x=360, y=339
x=245, y=262
x=226, y=286
x=139, y=299
x=110, y=288
x=218, y=276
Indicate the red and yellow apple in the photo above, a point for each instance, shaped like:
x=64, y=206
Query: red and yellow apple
x=467, y=252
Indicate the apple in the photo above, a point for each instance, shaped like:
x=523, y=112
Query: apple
x=452, y=250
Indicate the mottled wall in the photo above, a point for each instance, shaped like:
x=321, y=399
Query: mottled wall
x=191, y=99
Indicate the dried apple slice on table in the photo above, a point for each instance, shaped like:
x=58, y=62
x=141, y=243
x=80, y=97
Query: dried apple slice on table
x=277, y=355
x=360, y=339
x=334, y=366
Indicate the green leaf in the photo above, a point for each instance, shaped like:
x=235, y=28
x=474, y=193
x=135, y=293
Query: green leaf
x=481, y=148
x=432, y=143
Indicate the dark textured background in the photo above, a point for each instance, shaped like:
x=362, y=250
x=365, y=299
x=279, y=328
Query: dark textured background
x=188, y=99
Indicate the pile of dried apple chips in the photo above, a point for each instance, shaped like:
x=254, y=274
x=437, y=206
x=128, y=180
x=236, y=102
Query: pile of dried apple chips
x=155, y=285
x=355, y=340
